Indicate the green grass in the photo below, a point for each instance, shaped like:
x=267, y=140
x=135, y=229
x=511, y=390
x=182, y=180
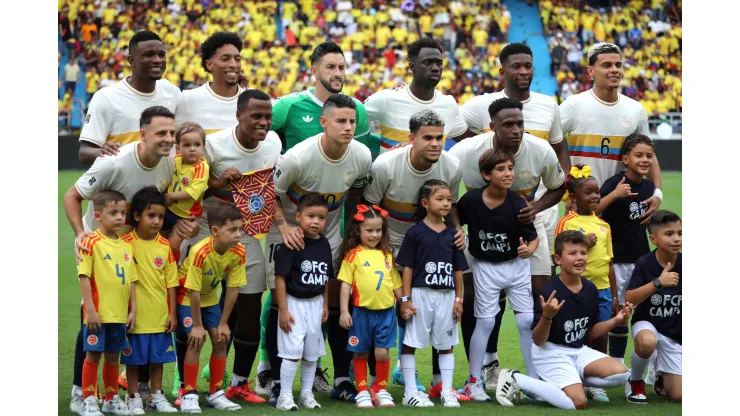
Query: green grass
x=69, y=315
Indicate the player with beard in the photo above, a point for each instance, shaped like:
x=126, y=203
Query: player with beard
x=541, y=119
x=112, y=118
x=392, y=108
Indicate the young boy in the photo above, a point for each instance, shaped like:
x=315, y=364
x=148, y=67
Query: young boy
x=156, y=316
x=107, y=274
x=561, y=330
x=218, y=257
x=190, y=180
x=301, y=291
x=656, y=326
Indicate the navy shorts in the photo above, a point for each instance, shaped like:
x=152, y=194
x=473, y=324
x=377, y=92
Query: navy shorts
x=149, y=349
x=170, y=219
x=605, y=305
x=109, y=338
x=210, y=315
x=372, y=329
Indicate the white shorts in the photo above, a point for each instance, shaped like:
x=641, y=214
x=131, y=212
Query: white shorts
x=305, y=339
x=550, y=221
x=273, y=240
x=623, y=272
x=668, y=353
x=433, y=317
x=491, y=278
x=563, y=366
x=540, y=261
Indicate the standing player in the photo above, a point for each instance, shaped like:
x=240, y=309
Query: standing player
x=393, y=108
x=598, y=120
x=112, y=119
x=334, y=165
x=541, y=119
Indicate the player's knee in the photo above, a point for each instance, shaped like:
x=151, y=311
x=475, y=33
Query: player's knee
x=361, y=355
x=645, y=343
x=93, y=356
x=579, y=403
x=524, y=320
x=111, y=358
x=485, y=324
x=381, y=354
x=674, y=394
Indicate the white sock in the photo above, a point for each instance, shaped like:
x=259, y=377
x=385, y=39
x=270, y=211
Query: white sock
x=287, y=375
x=638, y=367
x=489, y=358
x=524, y=324
x=235, y=380
x=478, y=342
x=447, y=368
x=308, y=373
x=76, y=390
x=408, y=366
x=262, y=367
x=339, y=380
x=546, y=391
x=614, y=380
x=436, y=378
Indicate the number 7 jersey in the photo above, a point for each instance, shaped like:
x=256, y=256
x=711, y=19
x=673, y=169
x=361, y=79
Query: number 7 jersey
x=373, y=276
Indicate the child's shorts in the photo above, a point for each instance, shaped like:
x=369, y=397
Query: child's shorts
x=149, y=349
x=605, y=305
x=109, y=338
x=170, y=219
x=563, y=366
x=305, y=339
x=372, y=328
x=669, y=353
x=210, y=315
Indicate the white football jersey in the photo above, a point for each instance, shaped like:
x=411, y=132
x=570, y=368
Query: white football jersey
x=123, y=173
x=394, y=185
x=115, y=111
x=305, y=168
x=596, y=130
x=211, y=111
x=393, y=110
x=534, y=161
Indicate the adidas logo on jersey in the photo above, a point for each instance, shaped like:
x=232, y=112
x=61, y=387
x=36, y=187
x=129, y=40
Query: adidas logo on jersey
x=209, y=272
x=107, y=257
x=307, y=118
x=366, y=264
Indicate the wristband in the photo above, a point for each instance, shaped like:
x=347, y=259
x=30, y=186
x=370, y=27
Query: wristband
x=658, y=193
x=405, y=299
x=459, y=300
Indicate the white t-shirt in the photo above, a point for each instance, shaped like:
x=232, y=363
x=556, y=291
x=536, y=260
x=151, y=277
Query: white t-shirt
x=393, y=110
x=596, y=130
x=123, y=173
x=305, y=168
x=211, y=111
x=115, y=111
x=394, y=185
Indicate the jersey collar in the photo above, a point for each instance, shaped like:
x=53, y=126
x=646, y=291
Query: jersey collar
x=239, y=145
x=314, y=98
x=327, y=158
x=141, y=165
x=239, y=91
x=619, y=96
x=415, y=171
x=413, y=97
x=523, y=102
x=135, y=91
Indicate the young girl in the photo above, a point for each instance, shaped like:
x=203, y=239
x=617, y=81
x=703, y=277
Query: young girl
x=622, y=206
x=432, y=290
x=369, y=272
x=583, y=191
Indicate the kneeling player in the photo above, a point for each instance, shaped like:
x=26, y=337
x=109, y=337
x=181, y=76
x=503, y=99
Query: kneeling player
x=656, y=326
x=561, y=331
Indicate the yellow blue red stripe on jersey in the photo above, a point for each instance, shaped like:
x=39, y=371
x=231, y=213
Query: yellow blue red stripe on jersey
x=390, y=137
x=399, y=211
x=527, y=193
x=334, y=199
x=596, y=146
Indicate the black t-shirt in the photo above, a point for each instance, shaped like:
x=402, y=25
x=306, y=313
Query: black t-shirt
x=579, y=313
x=306, y=271
x=629, y=238
x=663, y=308
x=494, y=233
x=432, y=255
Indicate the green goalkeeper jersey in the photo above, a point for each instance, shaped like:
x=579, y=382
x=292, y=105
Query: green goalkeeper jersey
x=295, y=117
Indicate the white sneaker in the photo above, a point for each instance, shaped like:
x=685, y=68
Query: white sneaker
x=116, y=406
x=75, y=405
x=507, y=390
x=285, y=402
x=474, y=390
x=189, y=403
x=89, y=407
x=320, y=383
x=491, y=374
x=159, y=403
x=417, y=400
x=384, y=399
x=219, y=401
x=595, y=393
x=449, y=399
x=135, y=404
x=363, y=400
x=144, y=391
x=264, y=383
x=308, y=400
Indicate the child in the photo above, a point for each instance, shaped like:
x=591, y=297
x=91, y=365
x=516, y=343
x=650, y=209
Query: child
x=190, y=180
x=656, y=326
x=218, y=257
x=301, y=291
x=107, y=276
x=500, y=246
x=561, y=329
x=583, y=191
x=368, y=271
x=622, y=205
x=156, y=316
x=432, y=290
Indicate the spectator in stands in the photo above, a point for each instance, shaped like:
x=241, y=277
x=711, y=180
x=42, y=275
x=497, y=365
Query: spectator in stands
x=71, y=75
x=92, y=79
x=559, y=55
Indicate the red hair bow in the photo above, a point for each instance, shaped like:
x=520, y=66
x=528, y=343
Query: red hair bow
x=361, y=210
x=383, y=213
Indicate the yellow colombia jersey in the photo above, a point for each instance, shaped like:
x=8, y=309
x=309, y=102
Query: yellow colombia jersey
x=373, y=277
x=599, y=256
x=204, y=269
x=109, y=265
x=192, y=179
x=156, y=268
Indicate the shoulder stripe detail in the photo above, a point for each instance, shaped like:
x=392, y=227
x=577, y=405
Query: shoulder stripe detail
x=164, y=241
x=201, y=255
x=561, y=223
x=350, y=256
x=239, y=250
x=198, y=168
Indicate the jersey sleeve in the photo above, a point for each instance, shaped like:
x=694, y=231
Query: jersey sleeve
x=238, y=273
x=98, y=177
x=374, y=105
x=396, y=278
x=283, y=260
x=280, y=111
x=134, y=272
x=194, y=279
x=459, y=127
x=287, y=170
x=472, y=115
x=462, y=213
x=378, y=182
x=85, y=266
x=407, y=253
x=181, y=113
x=643, y=126
x=459, y=262
x=455, y=185
x=639, y=277
x=365, y=162
x=567, y=116
x=200, y=182
x=170, y=271
x=346, y=272
x=609, y=247
x=556, y=130
x=98, y=124
x=362, y=129
x=552, y=175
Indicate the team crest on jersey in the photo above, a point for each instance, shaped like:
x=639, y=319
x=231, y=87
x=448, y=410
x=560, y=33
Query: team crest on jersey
x=656, y=299
x=92, y=340
x=185, y=181
x=626, y=121
x=188, y=322
x=127, y=352
x=126, y=257
x=158, y=262
x=568, y=326
x=306, y=266
x=353, y=341
x=227, y=270
x=430, y=267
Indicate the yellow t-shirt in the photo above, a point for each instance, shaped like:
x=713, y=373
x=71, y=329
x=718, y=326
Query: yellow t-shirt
x=373, y=276
x=156, y=268
x=480, y=38
x=192, y=179
x=93, y=82
x=600, y=255
x=425, y=23
x=204, y=269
